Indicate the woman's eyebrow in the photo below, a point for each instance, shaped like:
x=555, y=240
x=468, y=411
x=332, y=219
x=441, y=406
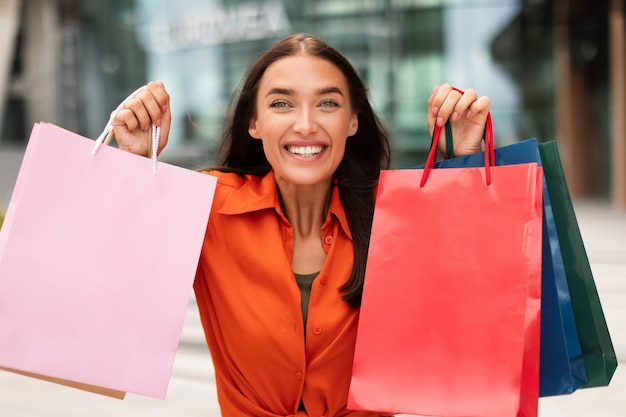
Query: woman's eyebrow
x=282, y=91
x=290, y=92
x=329, y=90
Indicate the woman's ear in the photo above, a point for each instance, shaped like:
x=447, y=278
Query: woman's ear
x=252, y=129
x=354, y=124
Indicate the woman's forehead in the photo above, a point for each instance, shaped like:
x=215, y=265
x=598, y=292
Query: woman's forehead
x=300, y=71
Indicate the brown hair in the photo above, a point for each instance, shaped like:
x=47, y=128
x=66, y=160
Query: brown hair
x=367, y=152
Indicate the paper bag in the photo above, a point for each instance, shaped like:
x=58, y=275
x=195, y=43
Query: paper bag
x=595, y=340
x=97, y=260
x=449, y=322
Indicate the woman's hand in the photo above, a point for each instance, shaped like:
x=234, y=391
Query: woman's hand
x=132, y=123
x=467, y=113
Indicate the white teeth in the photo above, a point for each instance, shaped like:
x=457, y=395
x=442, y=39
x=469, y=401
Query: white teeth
x=306, y=151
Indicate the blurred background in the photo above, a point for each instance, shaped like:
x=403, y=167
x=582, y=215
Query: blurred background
x=554, y=69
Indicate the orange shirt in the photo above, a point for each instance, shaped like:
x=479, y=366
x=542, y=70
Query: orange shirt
x=250, y=308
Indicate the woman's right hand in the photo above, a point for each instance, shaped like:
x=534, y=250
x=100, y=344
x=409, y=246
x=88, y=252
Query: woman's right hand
x=131, y=125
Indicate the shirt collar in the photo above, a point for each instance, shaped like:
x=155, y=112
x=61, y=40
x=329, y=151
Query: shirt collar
x=256, y=193
x=260, y=193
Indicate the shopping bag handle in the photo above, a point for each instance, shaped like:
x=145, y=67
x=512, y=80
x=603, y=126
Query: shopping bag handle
x=107, y=134
x=432, y=153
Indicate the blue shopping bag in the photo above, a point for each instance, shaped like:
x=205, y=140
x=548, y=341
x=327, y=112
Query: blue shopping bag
x=562, y=370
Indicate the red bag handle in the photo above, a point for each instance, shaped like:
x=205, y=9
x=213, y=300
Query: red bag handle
x=489, y=149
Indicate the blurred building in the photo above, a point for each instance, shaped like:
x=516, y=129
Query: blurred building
x=554, y=69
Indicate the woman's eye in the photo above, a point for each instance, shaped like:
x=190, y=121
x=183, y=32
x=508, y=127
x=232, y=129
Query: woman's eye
x=329, y=103
x=279, y=104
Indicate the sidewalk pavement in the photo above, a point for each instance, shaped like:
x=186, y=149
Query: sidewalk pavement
x=192, y=387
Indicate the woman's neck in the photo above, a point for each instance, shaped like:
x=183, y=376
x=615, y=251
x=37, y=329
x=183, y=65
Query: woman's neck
x=305, y=206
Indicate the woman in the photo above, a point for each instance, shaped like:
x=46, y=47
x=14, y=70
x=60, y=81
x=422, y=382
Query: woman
x=281, y=272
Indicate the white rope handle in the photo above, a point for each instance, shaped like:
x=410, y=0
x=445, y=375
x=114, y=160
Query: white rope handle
x=155, y=131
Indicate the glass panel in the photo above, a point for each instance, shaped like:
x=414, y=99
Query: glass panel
x=402, y=48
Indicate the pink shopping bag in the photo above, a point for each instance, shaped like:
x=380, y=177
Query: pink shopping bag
x=97, y=260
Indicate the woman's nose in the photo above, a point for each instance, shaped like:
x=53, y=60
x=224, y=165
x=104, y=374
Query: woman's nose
x=305, y=123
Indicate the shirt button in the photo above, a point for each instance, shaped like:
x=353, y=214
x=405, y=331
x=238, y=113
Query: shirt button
x=299, y=376
x=317, y=330
x=324, y=281
x=328, y=240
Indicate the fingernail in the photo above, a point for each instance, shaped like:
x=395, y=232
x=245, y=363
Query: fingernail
x=164, y=108
x=468, y=114
x=435, y=111
x=158, y=123
x=454, y=117
x=440, y=121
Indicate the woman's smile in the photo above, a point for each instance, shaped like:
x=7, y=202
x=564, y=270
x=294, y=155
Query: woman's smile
x=308, y=151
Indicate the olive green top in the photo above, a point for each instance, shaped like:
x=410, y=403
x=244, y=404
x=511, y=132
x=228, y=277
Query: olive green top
x=305, y=282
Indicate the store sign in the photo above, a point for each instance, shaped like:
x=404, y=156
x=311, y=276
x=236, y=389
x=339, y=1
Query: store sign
x=249, y=21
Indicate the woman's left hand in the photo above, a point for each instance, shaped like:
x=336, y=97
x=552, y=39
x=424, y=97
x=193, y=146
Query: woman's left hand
x=467, y=114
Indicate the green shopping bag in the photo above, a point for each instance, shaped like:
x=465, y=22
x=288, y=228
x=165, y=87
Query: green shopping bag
x=595, y=340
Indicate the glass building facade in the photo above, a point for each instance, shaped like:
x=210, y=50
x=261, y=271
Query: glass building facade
x=201, y=49
x=505, y=49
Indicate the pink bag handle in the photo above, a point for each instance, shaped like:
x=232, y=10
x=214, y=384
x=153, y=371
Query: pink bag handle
x=107, y=134
x=489, y=150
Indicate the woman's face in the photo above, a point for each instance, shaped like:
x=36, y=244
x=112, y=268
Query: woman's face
x=304, y=117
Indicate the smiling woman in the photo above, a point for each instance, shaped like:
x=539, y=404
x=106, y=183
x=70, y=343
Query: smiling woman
x=280, y=276
x=303, y=103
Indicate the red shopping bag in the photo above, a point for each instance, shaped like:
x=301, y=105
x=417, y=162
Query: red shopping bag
x=97, y=260
x=449, y=323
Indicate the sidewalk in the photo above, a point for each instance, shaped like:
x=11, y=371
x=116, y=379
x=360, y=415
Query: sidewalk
x=192, y=387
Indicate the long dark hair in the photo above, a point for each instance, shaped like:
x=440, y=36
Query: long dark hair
x=367, y=152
